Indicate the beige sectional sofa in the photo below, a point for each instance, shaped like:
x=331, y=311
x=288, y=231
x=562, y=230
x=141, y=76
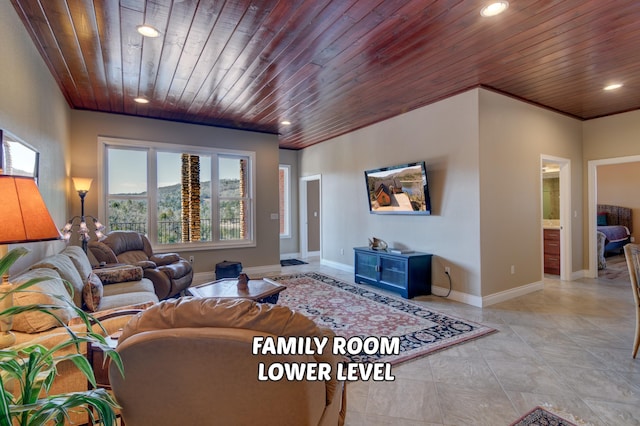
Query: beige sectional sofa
x=117, y=289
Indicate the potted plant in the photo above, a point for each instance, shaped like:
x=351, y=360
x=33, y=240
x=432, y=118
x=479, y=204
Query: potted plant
x=27, y=371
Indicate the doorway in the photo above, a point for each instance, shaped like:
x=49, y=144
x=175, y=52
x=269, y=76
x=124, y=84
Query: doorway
x=310, y=216
x=555, y=175
x=592, y=189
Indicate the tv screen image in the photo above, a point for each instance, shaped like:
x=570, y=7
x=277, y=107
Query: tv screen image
x=401, y=189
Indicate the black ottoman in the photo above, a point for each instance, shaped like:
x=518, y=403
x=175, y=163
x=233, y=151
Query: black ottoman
x=228, y=269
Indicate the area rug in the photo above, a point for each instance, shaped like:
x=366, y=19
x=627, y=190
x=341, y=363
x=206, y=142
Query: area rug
x=291, y=262
x=541, y=417
x=358, y=310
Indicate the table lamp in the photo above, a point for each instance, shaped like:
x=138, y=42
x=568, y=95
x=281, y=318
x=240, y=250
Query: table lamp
x=25, y=219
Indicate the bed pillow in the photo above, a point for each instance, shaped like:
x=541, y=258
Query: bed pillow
x=602, y=219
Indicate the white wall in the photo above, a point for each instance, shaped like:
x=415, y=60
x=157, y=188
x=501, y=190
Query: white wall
x=445, y=136
x=513, y=136
x=482, y=151
x=87, y=126
x=33, y=109
x=608, y=138
x=291, y=246
x=611, y=137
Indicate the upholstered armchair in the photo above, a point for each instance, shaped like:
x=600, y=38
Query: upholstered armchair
x=216, y=379
x=169, y=272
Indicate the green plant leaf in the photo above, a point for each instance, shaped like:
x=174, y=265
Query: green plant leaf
x=32, y=367
x=58, y=407
x=10, y=258
x=5, y=416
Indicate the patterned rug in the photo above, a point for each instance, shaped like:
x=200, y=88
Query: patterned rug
x=357, y=310
x=541, y=417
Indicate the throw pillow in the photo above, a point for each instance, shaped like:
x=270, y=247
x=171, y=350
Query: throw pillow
x=119, y=274
x=92, y=293
x=602, y=219
x=50, y=291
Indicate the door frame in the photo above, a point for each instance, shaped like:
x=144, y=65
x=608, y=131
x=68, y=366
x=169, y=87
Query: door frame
x=566, y=249
x=304, y=228
x=592, y=207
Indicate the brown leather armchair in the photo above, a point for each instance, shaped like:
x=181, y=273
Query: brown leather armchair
x=169, y=272
x=216, y=380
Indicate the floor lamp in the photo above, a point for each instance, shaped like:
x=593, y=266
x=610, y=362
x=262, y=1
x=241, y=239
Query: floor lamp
x=82, y=185
x=25, y=219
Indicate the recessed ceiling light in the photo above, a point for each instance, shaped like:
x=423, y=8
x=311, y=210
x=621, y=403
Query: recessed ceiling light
x=141, y=100
x=148, y=31
x=613, y=86
x=494, y=8
x=285, y=123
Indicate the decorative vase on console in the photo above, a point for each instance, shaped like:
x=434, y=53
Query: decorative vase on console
x=243, y=282
x=377, y=244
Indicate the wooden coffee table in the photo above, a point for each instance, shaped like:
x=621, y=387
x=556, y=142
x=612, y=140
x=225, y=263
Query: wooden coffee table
x=262, y=290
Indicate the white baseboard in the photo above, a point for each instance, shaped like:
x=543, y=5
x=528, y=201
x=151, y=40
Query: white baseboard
x=337, y=265
x=491, y=299
x=458, y=296
x=469, y=299
x=512, y=293
x=284, y=256
x=583, y=273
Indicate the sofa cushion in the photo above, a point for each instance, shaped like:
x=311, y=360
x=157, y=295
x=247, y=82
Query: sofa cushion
x=129, y=287
x=132, y=257
x=117, y=301
x=80, y=261
x=51, y=291
x=165, y=258
x=92, y=293
x=176, y=270
x=67, y=270
x=145, y=264
x=122, y=241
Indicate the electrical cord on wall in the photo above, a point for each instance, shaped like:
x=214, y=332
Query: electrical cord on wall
x=448, y=292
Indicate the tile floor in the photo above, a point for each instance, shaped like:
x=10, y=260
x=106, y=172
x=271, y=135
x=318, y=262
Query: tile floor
x=567, y=347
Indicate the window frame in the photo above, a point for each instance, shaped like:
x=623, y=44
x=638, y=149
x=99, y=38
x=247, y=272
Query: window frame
x=104, y=143
x=286, y=194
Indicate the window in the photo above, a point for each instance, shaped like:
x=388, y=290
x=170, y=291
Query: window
x=16, y=157
x=179, y=195
x=285, y=202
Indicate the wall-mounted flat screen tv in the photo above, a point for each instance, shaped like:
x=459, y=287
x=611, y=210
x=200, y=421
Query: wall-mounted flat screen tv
x=401, y=189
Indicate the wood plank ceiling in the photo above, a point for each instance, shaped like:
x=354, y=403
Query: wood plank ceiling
x=332, y=66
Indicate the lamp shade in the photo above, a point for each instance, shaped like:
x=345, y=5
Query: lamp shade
x=25, y=217
x=82, y=184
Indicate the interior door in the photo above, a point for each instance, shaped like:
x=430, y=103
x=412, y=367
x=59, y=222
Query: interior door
x=310, y=216
x=560, y=168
